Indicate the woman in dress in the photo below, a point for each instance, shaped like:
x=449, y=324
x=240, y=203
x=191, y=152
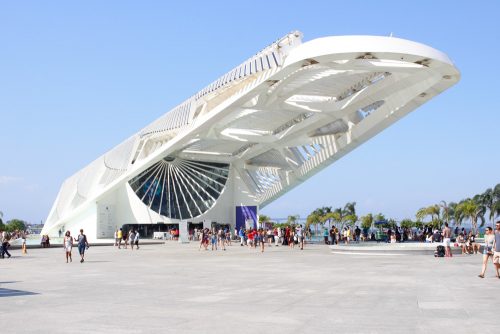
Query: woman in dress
x=23, y=245
x=68, y=245
x=489, y=240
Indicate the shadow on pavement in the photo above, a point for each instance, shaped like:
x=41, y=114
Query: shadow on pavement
x=6, y=282
x=13, y=293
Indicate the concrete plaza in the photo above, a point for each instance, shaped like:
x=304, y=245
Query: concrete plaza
x=175, y=288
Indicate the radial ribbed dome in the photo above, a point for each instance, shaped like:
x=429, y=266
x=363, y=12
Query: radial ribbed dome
x=179, y=188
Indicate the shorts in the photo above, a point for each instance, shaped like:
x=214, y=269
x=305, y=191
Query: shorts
x=446, y=242
x=496, y=257
x=81, y=249
x=487, y=251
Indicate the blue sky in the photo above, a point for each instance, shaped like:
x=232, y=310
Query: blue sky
x=77, y=78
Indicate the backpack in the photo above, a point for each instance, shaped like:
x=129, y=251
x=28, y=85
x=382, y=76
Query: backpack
x=439, y=251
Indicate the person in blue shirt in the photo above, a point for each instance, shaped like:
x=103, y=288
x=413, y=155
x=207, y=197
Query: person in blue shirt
x=82, y=245
x=325, y=236
x=241, y=234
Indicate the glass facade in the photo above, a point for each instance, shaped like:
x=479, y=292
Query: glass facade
x=179, y=188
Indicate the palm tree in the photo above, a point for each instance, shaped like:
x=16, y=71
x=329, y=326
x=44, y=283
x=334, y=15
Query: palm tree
x=322, y=216
x=367, y=221
x=350, y=219
x=446, y=211
x=263, y=219
x=292, y=219
x=329, y=217
x=433, y=211
x=313, y=219
x=452, y=208
x=491, y=200
x=421, y=214
x=350, y=208
x=471, y=209
x=495, y=209
x=379, y=217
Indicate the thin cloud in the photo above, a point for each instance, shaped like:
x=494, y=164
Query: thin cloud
x=5, y=179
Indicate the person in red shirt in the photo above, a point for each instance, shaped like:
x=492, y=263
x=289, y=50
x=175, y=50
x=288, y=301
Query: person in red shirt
x=251, y=237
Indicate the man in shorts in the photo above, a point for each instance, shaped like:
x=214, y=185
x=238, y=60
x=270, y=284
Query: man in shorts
x=447, y=240
x=300, y=236
x=82, y=245
x=496, y=249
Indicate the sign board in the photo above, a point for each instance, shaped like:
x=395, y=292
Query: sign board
x=105, y=223
x=183, y=232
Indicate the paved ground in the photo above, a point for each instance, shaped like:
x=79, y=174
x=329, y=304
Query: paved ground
x=175, y=288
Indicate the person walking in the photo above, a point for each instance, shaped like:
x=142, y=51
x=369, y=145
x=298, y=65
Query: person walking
x=1, y=244
x=241, y=234
x=23, y=245
x=119, y=235
x=68, y=246
x=228, y=237
x=131, y=237
x=332, y=235
x=125, y=239
x=136, y=239
x=262, y=239
x=489, y=240
x=222, y=239
x=496, y=249
x=213, y=238
x=82, y=245
x=357, y=234
x=277, y=236
x=5, y=244
x=203, y=239
x=447, y=240
x=300, y=236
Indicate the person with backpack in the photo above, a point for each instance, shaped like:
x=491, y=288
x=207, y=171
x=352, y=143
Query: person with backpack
x=82, y=245
x=5, y=244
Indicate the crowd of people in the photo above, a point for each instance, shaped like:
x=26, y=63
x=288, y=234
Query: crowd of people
x=127, y=238
x=292, y=236
x=6, y=237
x=220, y=238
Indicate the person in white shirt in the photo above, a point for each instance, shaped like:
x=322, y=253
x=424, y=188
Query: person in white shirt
x=136, y=239
x=131, y=238
x=300, y=236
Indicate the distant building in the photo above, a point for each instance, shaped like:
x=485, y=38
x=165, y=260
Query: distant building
x=252, y=135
